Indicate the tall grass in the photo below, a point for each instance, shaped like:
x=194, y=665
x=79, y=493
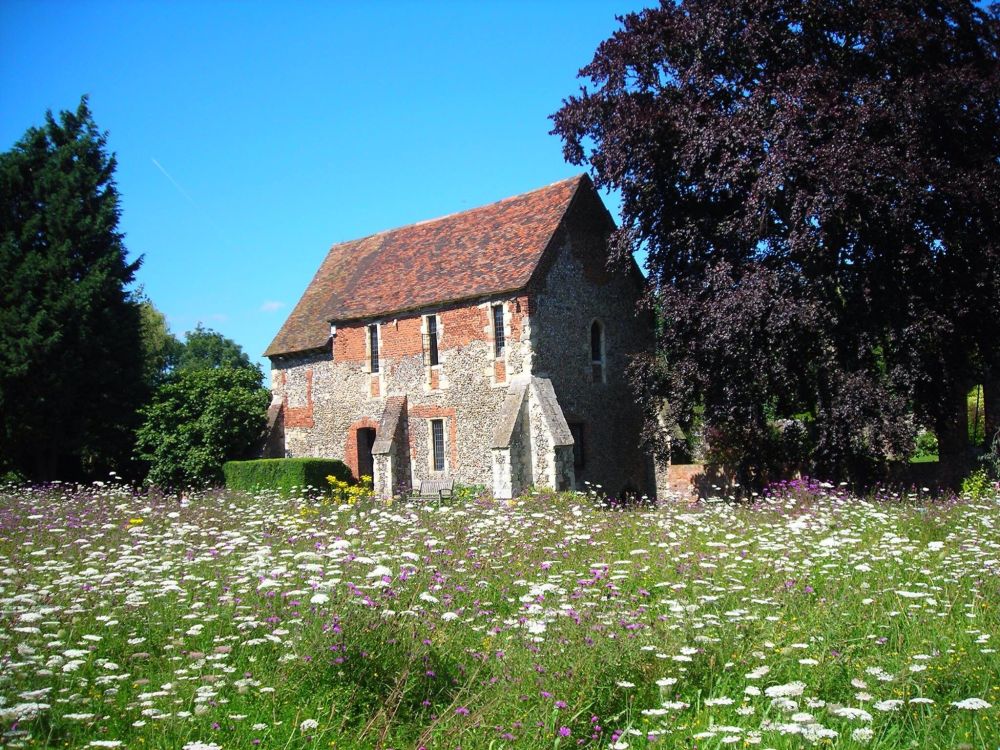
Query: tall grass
x=242, y=621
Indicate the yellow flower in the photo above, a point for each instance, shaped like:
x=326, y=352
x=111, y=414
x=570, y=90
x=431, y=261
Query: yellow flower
x=135, y=521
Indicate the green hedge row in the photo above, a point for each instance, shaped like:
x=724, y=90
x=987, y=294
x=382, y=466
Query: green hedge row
x=284, y=474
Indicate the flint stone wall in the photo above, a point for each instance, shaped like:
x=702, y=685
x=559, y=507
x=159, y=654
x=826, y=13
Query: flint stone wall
x=327, y=395
x=576, y=291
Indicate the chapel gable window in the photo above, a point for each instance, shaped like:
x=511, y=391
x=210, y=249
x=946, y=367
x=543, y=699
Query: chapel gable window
x=597, y=352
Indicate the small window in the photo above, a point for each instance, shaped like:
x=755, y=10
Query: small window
x=579, y=456
x=432, y=341
x=373, y=336
x=498, y=340
x=437, y=443
x=597, y=352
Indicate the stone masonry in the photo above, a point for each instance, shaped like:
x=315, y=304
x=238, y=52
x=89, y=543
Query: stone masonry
x=550, y=409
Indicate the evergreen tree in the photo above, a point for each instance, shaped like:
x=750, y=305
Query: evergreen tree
x=71, y=361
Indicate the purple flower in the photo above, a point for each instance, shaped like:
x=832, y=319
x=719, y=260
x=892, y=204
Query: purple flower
x=462, y=711
x=564, y=731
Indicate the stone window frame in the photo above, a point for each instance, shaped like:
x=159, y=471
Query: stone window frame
x=426, y=334
x=598, y=367
x=371, y=360
x=501, y=343
x=432, y=454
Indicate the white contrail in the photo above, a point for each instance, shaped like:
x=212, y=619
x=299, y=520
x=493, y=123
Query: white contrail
x=208, y=219
x=174, y=182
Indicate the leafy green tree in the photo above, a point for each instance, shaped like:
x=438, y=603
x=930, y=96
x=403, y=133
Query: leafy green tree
x=71, y=371
x=830, y=171
x=199, y=419
x=206, y=349
x=161, y=349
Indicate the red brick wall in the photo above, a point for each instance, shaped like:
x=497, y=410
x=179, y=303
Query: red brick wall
x=350, y=344
x=461, y=326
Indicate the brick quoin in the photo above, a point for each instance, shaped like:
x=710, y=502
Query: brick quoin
x=376, y=390
x=499, y=371
x=351, y=444
x=426, y=411
x=518, y=310
x=435, y=379
x=299, y=416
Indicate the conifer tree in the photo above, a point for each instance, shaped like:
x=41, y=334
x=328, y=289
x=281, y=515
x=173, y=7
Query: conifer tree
x=71, y=358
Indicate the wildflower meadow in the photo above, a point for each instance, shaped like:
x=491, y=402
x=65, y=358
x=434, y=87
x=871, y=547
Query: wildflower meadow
x=223, y=620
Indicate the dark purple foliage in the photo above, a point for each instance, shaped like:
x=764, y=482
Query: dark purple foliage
x=817, y=186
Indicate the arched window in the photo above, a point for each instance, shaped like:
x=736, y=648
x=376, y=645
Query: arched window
x=597, y=352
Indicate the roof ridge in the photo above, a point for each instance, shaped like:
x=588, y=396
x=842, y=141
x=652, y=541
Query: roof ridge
x=483, y=207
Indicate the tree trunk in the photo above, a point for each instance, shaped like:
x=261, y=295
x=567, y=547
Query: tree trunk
x=952, y=430
x=991, y=403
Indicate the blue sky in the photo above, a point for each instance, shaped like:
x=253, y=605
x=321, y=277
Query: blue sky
x=252, y=136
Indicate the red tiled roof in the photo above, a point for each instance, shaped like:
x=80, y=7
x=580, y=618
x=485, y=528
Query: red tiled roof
x=489, y=250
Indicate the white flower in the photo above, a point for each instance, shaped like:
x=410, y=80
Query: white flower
x=105, y=743
x=319, y=599
x=972, y=704
x=653, y=711
x=721, y=701
x=308, y=725
x=447, y=616
x=666, y=681
x=889, y=705
x=625, y=684
x=790, y=689
x=674, y=705
x=846, y=712
x=197, y=745
x=862, y=734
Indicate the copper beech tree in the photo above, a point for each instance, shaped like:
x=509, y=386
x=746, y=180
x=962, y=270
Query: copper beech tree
x=816, y=185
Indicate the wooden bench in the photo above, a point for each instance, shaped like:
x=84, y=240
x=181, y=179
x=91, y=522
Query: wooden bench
x=435, y=489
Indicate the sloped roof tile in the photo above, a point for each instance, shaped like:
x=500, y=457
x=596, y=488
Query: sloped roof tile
x=485, y=251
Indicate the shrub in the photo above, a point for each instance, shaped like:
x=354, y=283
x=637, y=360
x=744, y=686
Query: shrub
x=284, y=474
x=199, y=419
x=991, y=459
x=344, y=492
x=978, y=485
x=925, y=445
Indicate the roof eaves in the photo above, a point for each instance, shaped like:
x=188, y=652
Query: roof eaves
x=437, y=304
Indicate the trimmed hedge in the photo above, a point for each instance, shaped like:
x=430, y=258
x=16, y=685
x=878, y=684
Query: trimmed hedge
x=284, y=474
